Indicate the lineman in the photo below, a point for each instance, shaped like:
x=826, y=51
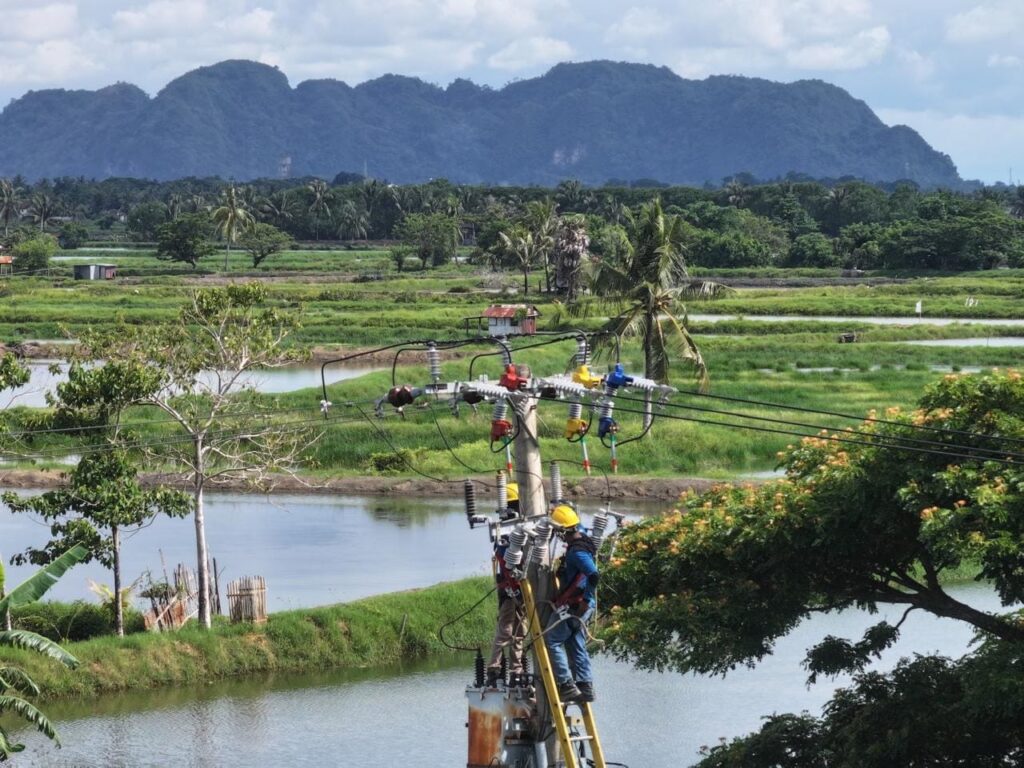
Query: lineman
x=566, y=634
x=511, y=627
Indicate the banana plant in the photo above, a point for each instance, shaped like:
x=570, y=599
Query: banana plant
x=14, y=683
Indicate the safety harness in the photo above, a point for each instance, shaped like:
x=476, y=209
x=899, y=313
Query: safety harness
x=573, y=591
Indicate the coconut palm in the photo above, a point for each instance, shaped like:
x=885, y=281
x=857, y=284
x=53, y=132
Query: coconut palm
x=519, y=242
x=231, y=218
x=10, y=203
x=542, y=220
x=1016, y=204
x=175, y=205
x=277, y=209
x=353, y=223
x=14, y=683
x=320, y=204
x=569, y=251
x=42, y=208
x=648, y=283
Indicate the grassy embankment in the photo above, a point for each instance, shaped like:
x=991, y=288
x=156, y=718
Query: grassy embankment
x=747, y=358
x=366, y=633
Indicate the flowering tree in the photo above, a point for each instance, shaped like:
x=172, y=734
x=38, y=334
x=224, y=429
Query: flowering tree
x=715, y=583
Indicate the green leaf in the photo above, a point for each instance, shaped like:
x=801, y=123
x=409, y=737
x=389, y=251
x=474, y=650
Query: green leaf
x=39, y=584
x=6, y=747
x=14, y=678
x=26, y=711
x=30, y=641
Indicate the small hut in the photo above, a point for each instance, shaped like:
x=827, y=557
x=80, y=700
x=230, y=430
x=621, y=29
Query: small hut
x=95, y=271
x=508, y=320
x=6, y=264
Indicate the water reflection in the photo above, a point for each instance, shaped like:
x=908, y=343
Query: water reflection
x=274, y=381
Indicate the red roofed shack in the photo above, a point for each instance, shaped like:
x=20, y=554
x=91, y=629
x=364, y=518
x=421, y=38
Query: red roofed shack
x=508, y=320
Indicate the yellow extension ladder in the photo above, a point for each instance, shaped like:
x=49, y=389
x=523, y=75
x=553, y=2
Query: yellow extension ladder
x=562, y=720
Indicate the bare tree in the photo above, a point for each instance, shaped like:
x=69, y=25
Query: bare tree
x=205, y=363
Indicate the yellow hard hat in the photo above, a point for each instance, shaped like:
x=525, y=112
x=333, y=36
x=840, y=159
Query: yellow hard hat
x=513, y=491
x=565, y=516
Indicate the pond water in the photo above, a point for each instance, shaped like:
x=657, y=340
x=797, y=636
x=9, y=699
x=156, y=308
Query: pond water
x=985, y=341
x=271, y=381
x=869, y=319
x=312, y=550
x=414, y=717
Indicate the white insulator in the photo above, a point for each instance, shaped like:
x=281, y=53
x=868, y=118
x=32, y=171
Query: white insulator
x=607, y=408
x=434, y=362
x=502, y=491
x=582, y=351
x=514, y=553
x=541, y=536
x=575, y=410
x=500, y=410
x=556, y=483
x=598, y=526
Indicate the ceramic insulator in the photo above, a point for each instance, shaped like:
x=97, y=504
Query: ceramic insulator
x=434, y=362
x=598, y=526
x=500, y=410
x=514, y=553
x=556, y=482
x=502, y=491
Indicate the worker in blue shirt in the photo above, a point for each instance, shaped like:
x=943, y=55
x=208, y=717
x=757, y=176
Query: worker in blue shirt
x=574, y=604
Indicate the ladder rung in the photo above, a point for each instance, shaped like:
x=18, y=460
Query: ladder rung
x=581, y=738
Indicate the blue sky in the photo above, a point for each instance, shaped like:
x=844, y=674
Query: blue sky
x=952, y=69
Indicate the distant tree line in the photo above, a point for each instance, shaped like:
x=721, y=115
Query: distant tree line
x=795, y=222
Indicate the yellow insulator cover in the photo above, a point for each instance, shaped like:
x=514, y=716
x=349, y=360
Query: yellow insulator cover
x=582, y=375
x=575, y=428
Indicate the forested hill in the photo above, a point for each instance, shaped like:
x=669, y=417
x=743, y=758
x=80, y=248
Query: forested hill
x=593, y=121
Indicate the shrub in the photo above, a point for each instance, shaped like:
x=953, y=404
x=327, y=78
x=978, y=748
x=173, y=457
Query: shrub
x=63, y=622
x=34, y=255
x=72, y=235
x=391, y=461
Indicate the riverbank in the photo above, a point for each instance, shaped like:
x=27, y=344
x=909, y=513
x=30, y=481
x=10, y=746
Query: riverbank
x=625, y=487
x=377, y=631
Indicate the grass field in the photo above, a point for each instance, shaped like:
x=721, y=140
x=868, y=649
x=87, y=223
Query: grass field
x=340, y=307
x=366, y=633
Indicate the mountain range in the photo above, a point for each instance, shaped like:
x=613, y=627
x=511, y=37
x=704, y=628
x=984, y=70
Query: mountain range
x=590, y=121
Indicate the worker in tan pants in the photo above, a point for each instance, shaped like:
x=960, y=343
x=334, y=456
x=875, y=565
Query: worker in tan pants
x=511, y=627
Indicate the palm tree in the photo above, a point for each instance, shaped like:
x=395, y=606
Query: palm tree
x=569, y=251
x=519, y=242
x=277, y=208
x=231, y=218
x=542, y=220
x=175, y=205
x=1016, y=203
x=736, y=193
x=571, y=195
x=10, y=203
x=14, y=683
x=648, y=282
x=353, y=223
x=197, y=203
x=320, y=204
x=42, y=208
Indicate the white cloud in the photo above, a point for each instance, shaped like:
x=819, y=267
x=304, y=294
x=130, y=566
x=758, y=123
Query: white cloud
x=921, y=67
x=864, y=48
x=44, y=22
x=162, y=18
x=987, y=21
x=958, y=136
x=531, y=52
x=1004, y=61
x=638, y=25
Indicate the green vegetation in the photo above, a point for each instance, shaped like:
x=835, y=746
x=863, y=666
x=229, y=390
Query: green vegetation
x=715, y=584
x=372, y=632
x=16, y=683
